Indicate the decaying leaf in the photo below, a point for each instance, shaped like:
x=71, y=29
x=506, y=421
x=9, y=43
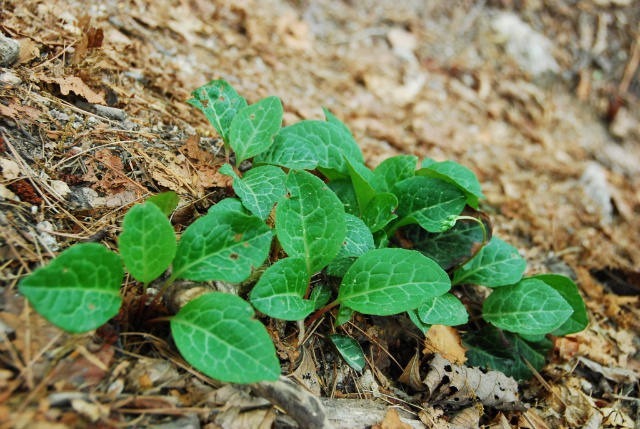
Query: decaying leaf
x=411, y=374
x=456, y=386
x=77, y=86
x=391, y=421
x=446, y=341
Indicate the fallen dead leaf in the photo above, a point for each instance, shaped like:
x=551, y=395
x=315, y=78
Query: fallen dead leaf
x=77, y=86
x=445, y=340
x=391, y=421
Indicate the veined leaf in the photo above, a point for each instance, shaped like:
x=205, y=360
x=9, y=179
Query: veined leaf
x=280, y=291
x=529, y=307
x=427, y=201
x=578, y=320
x=456, y=174
x=357, y=242
x=79, y=290
x=320, y=296
x=220, y=103
x=223, y=245
x=349, y=349
x=497, y=264
x=253, y=128
x=390, y=281
x=445, y=309
x=331, y=118
x=380, y=211
x=259, y=189
x=147, y=243
x=312, y=144
x=310, y=221
x=167, y=201
x=393, y=170
x=216, y=334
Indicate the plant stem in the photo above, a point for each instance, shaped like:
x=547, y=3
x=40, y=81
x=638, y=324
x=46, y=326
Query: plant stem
x=161, y=292
x=320, y=313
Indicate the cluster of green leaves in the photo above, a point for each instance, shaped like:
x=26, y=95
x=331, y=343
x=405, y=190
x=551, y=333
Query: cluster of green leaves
x=332, y=213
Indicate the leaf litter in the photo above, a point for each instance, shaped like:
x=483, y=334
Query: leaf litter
x=421, y=79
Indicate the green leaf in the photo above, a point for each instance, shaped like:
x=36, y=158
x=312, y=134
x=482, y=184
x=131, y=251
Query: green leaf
x=390, y=281
x=357, y=242
x=503, y=351
x=578, y=320
x=220, y=103
x=456, y=174
x=280, y=291
x=453, y=246
x=380, y=211
x=147, y=243
x=393, y=170
x=310, y=221
x=79, y=290
x=311, y=144
x=167, y=201
x=443, y=310
x=259, y=189
x=223, y=245
x=343, y=315
x=497, y=264
x=217, y=335
x=360, y=177
x=343, y=188
x=253, y=128
x=529, y=307
x=331, y=118
x=320, y=296
x=415, y=318
x=427, y=201
x=350, y=350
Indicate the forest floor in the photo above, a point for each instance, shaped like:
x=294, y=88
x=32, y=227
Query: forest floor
x=539, y=99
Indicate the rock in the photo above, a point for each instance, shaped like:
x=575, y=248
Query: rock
x=9, y=50
x=596, y=187
x=530, y=49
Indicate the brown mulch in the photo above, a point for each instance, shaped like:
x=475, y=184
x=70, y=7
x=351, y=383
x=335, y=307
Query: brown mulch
x=94, y=119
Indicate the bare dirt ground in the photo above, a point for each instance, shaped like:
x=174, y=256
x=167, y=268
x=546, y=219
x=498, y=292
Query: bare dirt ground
x=539, y=99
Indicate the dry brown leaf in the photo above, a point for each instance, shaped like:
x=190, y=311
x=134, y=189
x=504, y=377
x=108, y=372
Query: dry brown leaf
x=391, y=421
x=499, y=422
x=445, y=340
x=457, y=386
x=411, y=374
x=17, y=111
x=469, y=418
x=28, y=51
x=77, y=86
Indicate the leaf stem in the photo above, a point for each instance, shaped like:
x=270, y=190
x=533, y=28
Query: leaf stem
x=161, y=292
x=320, y=313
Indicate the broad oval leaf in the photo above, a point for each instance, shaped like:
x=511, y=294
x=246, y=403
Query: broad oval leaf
x=253, y=128
x=79, y=290
x=217, y=335
x=310, y=221
x=223, y=245
x=529, y=307
x=496, y=264
x=147, y=243
x=427, y=201
x=280, y=291
x=380, y=211
x=390, y=281
x=361, y=176
x=311, y=144
x=445, y=309
x=393, y=170
x=166, y=201
x=578, y=320
x=259, y=189
x=357, y=242
x=456, y=174
x=220, y=103
x=349, y=349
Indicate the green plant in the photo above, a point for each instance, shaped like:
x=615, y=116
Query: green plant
x=393, y=240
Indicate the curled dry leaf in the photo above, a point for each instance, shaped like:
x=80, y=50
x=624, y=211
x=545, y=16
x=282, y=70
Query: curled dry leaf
x=457, y=386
